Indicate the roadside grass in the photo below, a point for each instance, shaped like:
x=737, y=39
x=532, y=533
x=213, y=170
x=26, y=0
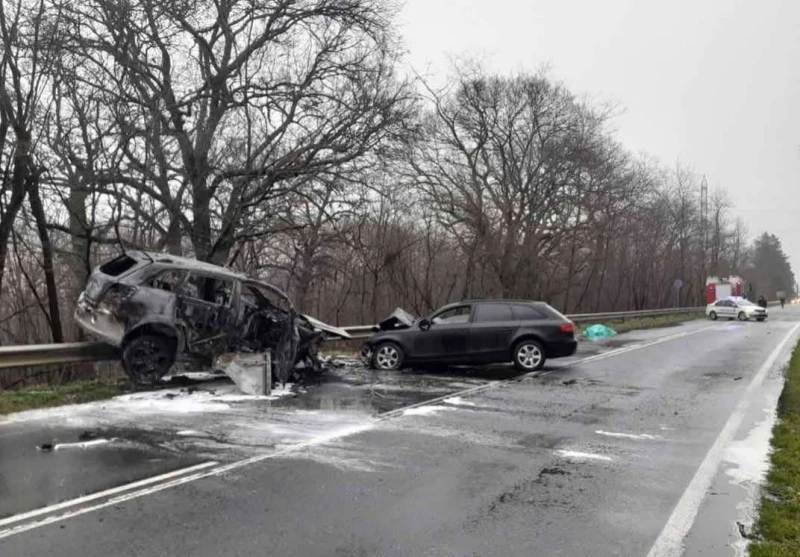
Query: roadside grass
x=777, y=532
x=43, y=396
x=622, y=326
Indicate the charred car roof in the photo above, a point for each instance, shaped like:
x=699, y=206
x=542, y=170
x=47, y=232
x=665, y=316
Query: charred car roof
x=169, y=261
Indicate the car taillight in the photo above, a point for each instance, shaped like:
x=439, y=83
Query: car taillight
x=117, y=294
x=567, y=328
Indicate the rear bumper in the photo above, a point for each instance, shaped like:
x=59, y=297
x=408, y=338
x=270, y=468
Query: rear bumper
x=99, y=324
x=562, y=348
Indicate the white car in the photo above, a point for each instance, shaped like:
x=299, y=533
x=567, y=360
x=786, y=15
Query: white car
x=738, y=308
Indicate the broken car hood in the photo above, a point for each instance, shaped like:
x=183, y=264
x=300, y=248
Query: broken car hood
x=320, y=326
x=399, y=319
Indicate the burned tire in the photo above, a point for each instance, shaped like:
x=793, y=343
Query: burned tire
x=147, y=358
x=387, y=356
x=742, y=316
x=528, y=355
x=713, y=316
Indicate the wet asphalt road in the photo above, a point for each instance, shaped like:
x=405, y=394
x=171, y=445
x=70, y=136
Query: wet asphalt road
x=583, y=460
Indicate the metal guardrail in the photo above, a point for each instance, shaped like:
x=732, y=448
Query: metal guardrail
x=29, y=355
x=67, y=353
x=364, y=331
x=623, y=315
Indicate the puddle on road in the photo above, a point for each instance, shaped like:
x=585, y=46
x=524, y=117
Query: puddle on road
x=374, y=392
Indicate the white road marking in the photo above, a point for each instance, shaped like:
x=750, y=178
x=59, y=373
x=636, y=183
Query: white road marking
x=106, y=493
x=331, y=436
x=640, y=436
x=670, y=542
x=579, y=455
x=82, y=444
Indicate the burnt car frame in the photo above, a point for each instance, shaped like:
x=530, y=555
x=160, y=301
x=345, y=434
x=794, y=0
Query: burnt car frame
x=473, y=332
x=159, y=308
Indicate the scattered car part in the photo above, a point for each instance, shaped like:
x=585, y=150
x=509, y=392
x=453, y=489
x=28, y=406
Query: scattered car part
x=399, y=319
x=251, y=372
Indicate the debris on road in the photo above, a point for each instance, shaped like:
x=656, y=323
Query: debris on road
x=570, y=381
x=252, y=373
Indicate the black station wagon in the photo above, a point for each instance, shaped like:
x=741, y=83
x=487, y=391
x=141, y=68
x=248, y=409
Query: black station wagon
x=474, y=332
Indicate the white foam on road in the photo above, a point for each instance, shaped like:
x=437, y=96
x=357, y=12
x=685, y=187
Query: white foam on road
x=459, y=401
x=633, y=436
x=580, y=455
x=750, y=456
x=130, y=407
x=670, y=541
x=749, y=460
x=425, y=410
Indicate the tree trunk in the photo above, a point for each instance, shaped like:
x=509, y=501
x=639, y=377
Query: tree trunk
x=21, y=161
x=47, y=257
x=79, y=235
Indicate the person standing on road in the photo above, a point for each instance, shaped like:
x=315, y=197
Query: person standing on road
x=762, y=301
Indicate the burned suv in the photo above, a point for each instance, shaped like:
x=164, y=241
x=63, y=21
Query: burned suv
x=158, y=308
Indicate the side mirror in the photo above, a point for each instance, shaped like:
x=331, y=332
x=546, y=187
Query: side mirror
x=424, y=324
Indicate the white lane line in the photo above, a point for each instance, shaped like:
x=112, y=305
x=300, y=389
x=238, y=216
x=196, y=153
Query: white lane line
x=106, y=493
x=288, y=450
x=345, y=432
x=670, y=542
x=634, y=436
x=580, y=455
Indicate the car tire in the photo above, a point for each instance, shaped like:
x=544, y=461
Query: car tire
x=760, y=319
x=147, y=358
x=713, y=316
x=528, y=355
x=387, y=356
x=742, y=316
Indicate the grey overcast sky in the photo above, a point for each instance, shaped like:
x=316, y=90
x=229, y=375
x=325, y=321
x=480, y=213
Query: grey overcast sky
x=714, y=84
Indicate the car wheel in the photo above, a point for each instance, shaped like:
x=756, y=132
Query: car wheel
x=147, y=358
x=387, y=356
x=742, y=316
x=529, y=355
x=760, y=319
x=713, y=315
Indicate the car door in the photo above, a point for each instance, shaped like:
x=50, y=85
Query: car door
x=730, y=308
x=448, y=335
x=492, y=329
x=721, y=308
x=205, y=307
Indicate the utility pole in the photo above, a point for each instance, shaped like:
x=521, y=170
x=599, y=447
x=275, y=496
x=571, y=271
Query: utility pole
x=704, y=231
